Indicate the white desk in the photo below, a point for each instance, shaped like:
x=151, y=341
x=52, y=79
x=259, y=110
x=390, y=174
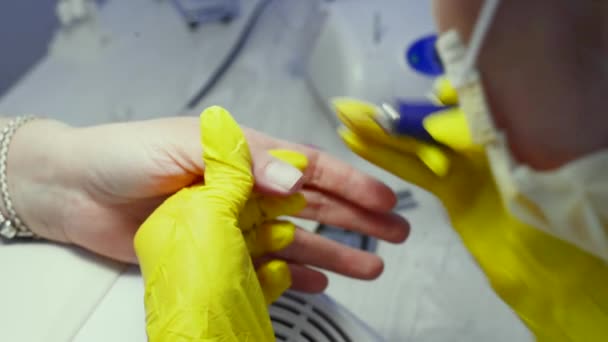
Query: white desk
x=147, y=65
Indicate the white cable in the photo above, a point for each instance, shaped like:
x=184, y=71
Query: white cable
x=480, y=30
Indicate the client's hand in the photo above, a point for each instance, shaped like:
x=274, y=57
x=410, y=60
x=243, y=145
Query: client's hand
x=94, y=186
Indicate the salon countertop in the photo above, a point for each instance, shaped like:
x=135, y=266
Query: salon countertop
x=145, y=66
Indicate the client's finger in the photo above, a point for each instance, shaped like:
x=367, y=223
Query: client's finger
x=334, y=176
x=306, y=279
x=317, y=251
x=325, y=208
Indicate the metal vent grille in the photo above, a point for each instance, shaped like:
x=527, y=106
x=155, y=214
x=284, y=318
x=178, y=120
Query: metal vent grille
x=315, y=318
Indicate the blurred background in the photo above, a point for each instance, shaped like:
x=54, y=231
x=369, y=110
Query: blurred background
x=26, y=28
x=275, y=65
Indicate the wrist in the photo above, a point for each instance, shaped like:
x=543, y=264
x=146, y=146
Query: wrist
x=36, y=168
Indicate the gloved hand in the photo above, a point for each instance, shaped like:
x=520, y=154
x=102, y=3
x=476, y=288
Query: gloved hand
x=558, y=290
x=195, y=250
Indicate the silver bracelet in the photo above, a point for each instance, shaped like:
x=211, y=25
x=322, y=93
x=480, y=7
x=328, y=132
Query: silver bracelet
x=11, y=226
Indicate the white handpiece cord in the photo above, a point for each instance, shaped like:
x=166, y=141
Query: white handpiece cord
x=480, y=30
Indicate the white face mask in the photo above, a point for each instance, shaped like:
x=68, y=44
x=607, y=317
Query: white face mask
x=570, y=202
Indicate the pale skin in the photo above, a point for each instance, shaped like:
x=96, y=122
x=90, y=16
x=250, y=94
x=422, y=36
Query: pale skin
x=93, y=187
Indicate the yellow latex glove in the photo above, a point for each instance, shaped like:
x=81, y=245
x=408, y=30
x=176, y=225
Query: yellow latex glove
x=558, y=290
x=195, y=249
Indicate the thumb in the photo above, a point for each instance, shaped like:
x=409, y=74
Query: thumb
x=227, y=159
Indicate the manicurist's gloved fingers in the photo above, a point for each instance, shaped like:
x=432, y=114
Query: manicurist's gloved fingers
x=444, y=92
x=449, y=127
x=273, y=207
x=303, y=278
x=405, y=166
x=261, y=208
x=358, y=117
x=199, y=279
x=275, y=278
x=271, y=236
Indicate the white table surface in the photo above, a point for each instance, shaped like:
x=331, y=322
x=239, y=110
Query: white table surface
x=133, y=67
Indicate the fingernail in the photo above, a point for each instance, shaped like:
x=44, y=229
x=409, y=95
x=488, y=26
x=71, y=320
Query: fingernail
x=283, y=176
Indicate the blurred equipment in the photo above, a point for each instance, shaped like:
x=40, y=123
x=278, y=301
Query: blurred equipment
x=197, y=12
x=381, y=53
x=72, y=12
x=234, y=52
x=316, y=318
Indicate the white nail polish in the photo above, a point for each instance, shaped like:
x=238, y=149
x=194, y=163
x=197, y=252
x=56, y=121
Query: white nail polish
x=282, y=175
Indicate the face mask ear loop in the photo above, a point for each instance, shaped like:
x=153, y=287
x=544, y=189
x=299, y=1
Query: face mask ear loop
x=480, y=30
